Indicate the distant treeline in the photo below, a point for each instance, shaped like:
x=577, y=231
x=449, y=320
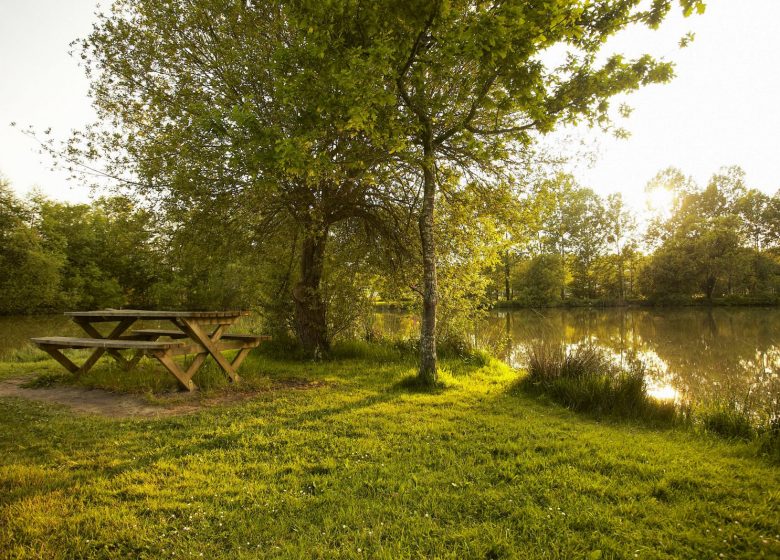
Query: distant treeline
x=717, y=243
x=109, y=253
x=720, y=243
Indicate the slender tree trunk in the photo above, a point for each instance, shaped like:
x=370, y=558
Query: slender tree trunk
x=507, y=286
x=427, y=373
x=563, y=273
x=621, y=274
x=310, y=324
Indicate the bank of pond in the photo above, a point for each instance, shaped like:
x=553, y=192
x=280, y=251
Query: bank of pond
x=347, y=458
x=715, y=368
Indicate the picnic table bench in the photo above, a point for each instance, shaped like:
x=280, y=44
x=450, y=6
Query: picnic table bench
x=191, y=336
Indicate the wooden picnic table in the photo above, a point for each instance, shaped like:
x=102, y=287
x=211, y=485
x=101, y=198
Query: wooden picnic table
x=201, y=333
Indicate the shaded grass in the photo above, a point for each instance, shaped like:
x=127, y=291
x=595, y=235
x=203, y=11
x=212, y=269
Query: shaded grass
x=362, y=468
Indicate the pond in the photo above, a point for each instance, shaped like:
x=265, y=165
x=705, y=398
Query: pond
x=692, y=352
x=688, y=351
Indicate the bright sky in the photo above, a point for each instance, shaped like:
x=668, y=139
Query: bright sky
x=722, y=109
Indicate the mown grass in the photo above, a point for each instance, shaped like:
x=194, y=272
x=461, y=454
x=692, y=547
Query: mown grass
x=359, y=467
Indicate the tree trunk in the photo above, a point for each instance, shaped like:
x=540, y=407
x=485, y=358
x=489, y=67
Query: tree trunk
x=507, y=273
x=563, y=273
x=427, y=374
x=310, y=324
x=709, y=286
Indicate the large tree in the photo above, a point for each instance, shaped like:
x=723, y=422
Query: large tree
x=244, y=110
x=475, y=81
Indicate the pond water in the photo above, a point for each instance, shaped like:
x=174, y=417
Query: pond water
x=689, y=352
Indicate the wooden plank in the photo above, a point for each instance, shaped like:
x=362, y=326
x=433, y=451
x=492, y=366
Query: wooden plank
x=94, y=333
x=123, y=325
x=104, y=343
x=179, y=334
x=193, y=348
x=114, y=314
x=196, y=363
x=236, y=363
x=222, y=346
x=135, y=359
x=60, y=357
x=172, y=333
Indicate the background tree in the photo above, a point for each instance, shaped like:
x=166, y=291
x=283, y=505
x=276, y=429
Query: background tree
x=29, y=274
x=754, y=209
x=621, y=229
x=710, y=244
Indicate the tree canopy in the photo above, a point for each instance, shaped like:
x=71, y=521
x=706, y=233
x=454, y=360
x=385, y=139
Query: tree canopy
x=300, y=116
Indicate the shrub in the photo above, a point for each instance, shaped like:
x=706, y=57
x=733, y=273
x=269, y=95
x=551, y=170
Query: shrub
x=726, y=419
x=585, y=379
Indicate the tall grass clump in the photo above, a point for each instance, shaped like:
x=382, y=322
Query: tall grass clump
x=727, y=419
x=25, y=354
x=584, y=379
x=769, y=440
x=746, y=415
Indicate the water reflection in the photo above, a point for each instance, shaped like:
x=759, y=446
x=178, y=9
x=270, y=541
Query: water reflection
x=687, y=351
x=16, y=330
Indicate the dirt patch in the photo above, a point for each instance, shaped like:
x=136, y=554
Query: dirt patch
x=117, y=405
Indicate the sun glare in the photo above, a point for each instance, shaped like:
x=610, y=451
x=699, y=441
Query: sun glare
x=660, y=201
x=663, y=392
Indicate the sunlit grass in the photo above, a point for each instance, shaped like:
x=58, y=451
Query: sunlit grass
x=356, y=466
x=25, y=354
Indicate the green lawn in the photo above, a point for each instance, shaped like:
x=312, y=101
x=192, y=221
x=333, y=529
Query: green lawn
x=360, y=467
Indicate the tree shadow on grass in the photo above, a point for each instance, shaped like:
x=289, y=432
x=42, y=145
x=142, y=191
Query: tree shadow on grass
x=413, y=384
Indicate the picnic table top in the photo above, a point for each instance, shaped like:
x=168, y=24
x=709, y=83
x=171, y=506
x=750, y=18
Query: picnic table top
x=146, y=314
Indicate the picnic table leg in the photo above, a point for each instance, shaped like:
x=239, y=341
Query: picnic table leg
x=131, y=363
x=123, y=325
x=194, y=331
x=243, y=353
x=61, y=358
x=185, y=378
x=196, y=363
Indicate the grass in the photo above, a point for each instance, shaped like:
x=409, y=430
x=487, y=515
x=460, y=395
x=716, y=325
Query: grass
x=360, y=467
x=24, y=354
x=584, y=379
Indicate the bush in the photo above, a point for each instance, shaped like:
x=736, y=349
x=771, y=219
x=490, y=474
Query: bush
x=769, y=441
x=727, y=420
x=585, y=379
